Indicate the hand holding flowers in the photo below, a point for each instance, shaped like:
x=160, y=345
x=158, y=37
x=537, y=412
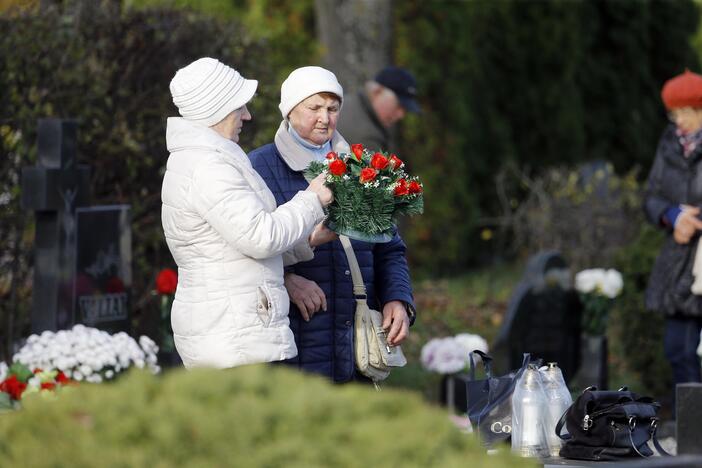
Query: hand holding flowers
x=370, y=191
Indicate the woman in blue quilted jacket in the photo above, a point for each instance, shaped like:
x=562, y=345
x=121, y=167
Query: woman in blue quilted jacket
x=321, y=290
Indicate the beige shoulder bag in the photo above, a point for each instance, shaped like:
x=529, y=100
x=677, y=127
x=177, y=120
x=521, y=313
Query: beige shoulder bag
x=374, y=357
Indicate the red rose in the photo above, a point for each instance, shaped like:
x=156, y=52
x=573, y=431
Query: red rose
x=367, y=175
x=379, y=162
x=396, y=162
x=414, y=187
x=48, y=385
x=13, y=387
x=62, y=379
x=401, y=188
x=357, y=149
x=332, y=155
x=166, y=281
x=337, y=167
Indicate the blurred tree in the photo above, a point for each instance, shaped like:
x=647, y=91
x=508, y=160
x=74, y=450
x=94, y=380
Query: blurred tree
x=533, y=84
x=356, y=36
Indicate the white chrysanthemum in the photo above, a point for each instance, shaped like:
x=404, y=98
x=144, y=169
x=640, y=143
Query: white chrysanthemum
x=612, y=283
x=588, y=280
x=443, y=355
x=87, y=351
x=470, y=343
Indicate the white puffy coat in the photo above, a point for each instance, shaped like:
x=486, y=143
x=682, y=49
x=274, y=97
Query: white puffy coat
x=227, y=236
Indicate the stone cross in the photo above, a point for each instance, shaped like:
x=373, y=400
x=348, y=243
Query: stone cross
x=53, y=188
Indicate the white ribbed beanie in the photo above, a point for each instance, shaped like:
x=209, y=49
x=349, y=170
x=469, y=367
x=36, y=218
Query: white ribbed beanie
x=207, y=90
x=303, y=83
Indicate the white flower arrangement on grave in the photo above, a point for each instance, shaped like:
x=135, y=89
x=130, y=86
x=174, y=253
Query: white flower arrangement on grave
x=597, y=288
x=88, y=354
x=450, y=355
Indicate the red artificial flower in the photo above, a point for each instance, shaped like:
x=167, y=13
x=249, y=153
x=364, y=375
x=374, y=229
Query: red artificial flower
x=379, y=162
x=357, y=149
x=337, y=167
x=401, y=188
x=332, y=155
x=396, y=162
x=62, y=379
x=48, y=385
x=13, y=387
x=166, y=281
x=367, y=175
x=37, y=370
x=114, y=285
x=414, y=187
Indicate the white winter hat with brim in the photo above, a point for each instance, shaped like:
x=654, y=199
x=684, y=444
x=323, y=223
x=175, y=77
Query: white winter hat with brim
x=303, y=83
x=206, y=91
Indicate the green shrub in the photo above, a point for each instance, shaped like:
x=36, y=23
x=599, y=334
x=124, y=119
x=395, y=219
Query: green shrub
x=636, y=335
x=252, y=416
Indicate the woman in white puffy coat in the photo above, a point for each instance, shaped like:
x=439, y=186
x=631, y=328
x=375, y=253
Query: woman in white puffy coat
x=223, y=228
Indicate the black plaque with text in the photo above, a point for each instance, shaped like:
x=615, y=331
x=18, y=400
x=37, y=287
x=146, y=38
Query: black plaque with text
x=103, y=275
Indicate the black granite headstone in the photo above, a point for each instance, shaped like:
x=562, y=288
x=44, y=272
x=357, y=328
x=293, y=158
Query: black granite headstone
x=103, y=277
x=53, y=189
x=543, y=318
x=689, y=416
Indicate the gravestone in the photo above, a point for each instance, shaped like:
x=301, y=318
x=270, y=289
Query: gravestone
x=543, y=318
x=102, y=275
x=688, y=407
x=81, y=255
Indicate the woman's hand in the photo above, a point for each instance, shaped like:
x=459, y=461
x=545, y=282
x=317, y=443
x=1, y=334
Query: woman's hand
x=687, y=225
x=317, y=186
x=305, y=294
x=322, y=235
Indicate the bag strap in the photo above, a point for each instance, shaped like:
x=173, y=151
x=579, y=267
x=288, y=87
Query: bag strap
x=486, y=363
x=560, y=424
x=359, y=289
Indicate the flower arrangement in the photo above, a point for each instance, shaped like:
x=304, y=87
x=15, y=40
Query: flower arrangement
x=451, y=354
x=371, y=189
x=18, y=380
x=89, y=354
x=166, y=283
x=597, y=289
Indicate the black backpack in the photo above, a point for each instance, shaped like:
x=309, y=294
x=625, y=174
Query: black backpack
x=609, y=425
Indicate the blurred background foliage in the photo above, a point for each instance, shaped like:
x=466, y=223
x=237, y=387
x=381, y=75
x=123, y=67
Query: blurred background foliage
x=519, y=98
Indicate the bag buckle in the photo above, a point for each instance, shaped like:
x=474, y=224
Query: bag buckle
x=587, y=422
x=654, y=425
x=632, y=423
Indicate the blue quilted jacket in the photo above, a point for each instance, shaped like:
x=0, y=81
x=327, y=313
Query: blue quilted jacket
x=325, y=343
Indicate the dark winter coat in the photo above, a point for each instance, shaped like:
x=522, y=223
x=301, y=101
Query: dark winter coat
x=673, y=180
x=325, y=343
x=359, y=124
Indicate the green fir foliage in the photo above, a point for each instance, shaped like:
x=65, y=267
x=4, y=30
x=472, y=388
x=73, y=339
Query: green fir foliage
x=250, y=416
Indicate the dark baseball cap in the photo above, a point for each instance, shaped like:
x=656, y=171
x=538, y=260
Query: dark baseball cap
x=402, y=83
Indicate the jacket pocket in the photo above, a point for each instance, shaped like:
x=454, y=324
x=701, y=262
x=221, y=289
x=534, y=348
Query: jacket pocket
x=264, y=306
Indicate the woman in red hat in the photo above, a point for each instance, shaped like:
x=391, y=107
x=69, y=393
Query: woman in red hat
x=672, y=202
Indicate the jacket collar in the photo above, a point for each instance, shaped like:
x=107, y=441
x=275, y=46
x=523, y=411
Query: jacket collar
x=298, y=157
x=182, y=134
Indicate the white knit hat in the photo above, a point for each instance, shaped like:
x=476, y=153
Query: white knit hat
x=303, y=83
x=206, y=91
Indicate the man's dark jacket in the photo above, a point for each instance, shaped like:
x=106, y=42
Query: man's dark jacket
x=673, y=180
x=325, y=343
x=359, y=124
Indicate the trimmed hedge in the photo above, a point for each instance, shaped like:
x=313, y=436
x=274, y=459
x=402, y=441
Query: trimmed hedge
x=251, y=416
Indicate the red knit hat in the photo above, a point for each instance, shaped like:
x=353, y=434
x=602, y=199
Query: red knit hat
x=684, y=90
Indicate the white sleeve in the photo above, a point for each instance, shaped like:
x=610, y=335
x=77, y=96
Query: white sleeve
x=227, y=201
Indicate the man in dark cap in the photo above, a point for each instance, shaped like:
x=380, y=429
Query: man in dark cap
x=370, y=114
